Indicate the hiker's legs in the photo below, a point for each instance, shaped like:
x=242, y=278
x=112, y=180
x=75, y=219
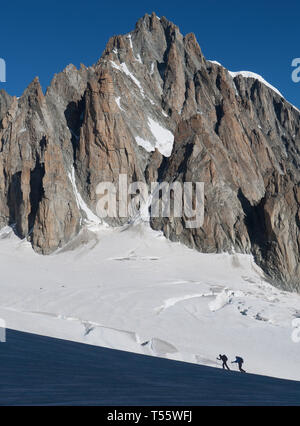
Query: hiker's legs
x=225, y=364
x=240, y=368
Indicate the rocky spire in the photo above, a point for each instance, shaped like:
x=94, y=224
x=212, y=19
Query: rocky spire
x=232, y=132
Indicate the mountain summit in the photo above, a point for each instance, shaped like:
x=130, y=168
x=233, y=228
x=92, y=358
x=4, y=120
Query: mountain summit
x=154, y=108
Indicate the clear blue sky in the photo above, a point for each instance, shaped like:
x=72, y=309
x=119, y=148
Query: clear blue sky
x=39, y=38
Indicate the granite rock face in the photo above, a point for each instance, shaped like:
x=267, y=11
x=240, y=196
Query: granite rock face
x=153, y=108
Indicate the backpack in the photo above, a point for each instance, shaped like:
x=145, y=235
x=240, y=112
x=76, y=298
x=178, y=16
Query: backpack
x=224, y=358
x=239, y=359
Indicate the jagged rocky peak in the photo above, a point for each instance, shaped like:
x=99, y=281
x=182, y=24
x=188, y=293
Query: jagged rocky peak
x=5, y=102
x=153, y=107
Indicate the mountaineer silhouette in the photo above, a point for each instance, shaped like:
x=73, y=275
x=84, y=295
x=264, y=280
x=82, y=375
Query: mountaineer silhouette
x=224, y=359
x=239, y=361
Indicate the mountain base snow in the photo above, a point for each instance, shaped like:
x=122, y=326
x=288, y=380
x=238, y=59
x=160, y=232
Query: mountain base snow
x=131, y=289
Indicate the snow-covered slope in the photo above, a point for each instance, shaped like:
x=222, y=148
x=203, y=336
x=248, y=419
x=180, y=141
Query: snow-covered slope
x=131, y=289
x=38, y=370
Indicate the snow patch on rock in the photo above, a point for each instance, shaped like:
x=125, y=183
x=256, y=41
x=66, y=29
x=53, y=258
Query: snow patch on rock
x=164, y=139
x=81, y=204
x=130, y=41
x=123, y=67
x=139, y=59
x=148, y=146
x=152, y=68
x=119, y=103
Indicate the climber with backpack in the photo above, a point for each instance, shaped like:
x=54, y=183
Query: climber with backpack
x=239, y=360
x=224, y=360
